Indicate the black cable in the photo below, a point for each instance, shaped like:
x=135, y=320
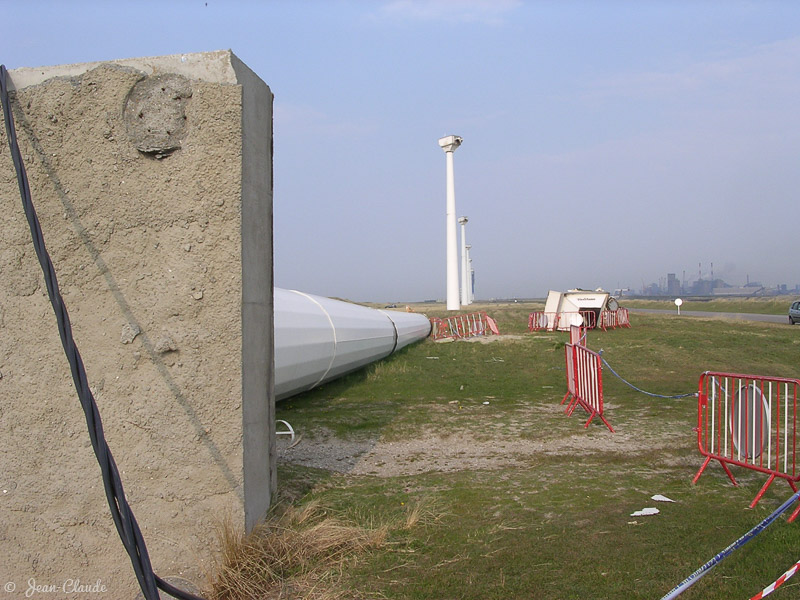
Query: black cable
x=651, y=394
x=124, y=520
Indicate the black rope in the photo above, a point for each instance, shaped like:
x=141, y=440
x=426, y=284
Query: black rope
x=629, y=384
x=121, y=512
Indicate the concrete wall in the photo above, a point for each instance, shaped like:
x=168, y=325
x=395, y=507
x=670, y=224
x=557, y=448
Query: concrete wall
x=152, y=179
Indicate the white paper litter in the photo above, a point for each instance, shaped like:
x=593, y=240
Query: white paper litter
x=660, y=498
x=645, y=512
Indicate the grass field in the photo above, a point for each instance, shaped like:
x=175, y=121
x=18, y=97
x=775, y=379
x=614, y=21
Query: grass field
x=775, y=305
x=514, y=499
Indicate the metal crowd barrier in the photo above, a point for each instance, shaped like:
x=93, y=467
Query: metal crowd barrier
x=561, y=321
x=463, y=326
x=542, y=321
x=577, y=335
x=749, y=421
x=584, y=381
x=614, y=318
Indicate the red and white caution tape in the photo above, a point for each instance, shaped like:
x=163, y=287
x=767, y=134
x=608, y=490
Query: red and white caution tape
x=778, y=582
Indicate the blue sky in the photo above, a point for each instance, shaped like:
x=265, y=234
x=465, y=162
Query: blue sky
x=605, y=143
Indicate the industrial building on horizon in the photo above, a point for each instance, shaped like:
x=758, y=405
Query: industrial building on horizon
x=674, y=287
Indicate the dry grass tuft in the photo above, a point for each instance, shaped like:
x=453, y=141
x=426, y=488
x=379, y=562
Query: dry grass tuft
x=296, y=554
x=421, y=512
x=387, y=368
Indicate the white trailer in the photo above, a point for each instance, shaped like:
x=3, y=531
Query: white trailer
x=563, y=309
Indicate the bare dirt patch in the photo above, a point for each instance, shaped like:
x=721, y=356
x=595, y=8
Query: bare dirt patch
x=483, y=339
x=467, y=449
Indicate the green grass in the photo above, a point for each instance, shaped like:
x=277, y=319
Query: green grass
x=776, y=305
x=552, y=523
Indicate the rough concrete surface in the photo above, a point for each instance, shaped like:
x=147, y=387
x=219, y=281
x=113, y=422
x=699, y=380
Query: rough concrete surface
x=146, y=246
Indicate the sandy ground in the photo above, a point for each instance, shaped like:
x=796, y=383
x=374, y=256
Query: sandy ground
x=466, y=450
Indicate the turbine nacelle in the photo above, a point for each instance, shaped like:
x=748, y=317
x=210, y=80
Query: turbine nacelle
x=450, y=142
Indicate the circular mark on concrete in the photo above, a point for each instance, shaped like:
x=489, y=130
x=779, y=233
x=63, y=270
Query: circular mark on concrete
x=155, y=113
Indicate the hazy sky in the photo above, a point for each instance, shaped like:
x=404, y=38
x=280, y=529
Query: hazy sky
x=605, y=143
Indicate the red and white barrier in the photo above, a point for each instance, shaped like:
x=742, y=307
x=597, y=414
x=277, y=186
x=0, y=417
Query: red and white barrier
x=581, y=318
x=463, y=326
x=777, y=583
x=561, y=321
x=542, y=321
x=577, y=335
x=611, y=319
x=749, y=421
x=584, y=381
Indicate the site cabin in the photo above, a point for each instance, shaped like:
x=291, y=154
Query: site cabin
x=563, y=309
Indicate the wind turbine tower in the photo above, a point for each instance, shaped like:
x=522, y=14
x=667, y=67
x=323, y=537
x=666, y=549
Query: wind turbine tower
x=464, y=262
x=449, y=144
x=471, y=272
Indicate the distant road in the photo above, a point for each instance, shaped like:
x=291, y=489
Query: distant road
x=724, y=315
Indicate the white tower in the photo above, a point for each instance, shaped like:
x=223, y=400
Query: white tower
x=449, y=145
x=464, y=262
x=471, y=272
